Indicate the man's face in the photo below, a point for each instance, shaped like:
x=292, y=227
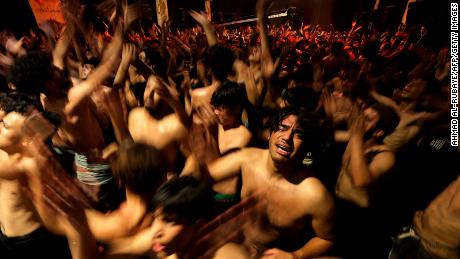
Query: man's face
x=414, y=89
x=11, y=132
x=170, y=235
x=285, y=142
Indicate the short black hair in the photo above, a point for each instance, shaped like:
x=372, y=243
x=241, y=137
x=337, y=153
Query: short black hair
x=139, y=167
x=30, y=72
x=92, y=61
x=229, y=94
x=20, y=103
x=186, y=198
x=220, y=61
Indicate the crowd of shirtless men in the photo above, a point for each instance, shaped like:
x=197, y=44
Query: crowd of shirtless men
x=267, y=140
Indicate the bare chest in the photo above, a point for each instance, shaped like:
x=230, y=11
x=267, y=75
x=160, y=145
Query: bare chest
x=283, y=207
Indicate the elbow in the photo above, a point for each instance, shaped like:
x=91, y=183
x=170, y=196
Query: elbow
x=361, y=183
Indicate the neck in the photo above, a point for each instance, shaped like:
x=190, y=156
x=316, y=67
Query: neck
x=232, y=125
x=215, y=80
x=279, y=168
x=133, y=199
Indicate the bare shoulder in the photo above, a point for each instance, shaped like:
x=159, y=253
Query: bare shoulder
x=252, y=153
x=137, y=113
x=242, y=136
x=316, y=193
x=231, y=251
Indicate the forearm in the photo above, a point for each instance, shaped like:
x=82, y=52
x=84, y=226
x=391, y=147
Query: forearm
x=181, y=113
x=82, y=245
x=210, y=34
x=62, y=47
x=358, y=167
x=384, y=100
x=313, y=248
x=116, y=117
x=121, y=74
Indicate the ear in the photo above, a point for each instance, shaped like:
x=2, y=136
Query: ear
x=25, y=142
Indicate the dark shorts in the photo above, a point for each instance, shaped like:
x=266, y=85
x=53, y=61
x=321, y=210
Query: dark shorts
x=38, y=244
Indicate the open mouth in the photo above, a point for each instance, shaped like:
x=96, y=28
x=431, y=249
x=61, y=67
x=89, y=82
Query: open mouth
x=157, y=248
x=284, y=150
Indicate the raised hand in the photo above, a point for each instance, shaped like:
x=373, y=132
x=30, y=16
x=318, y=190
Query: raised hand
x=329, y=104
x=14, y=46
x=166, y=91
x=200, y=17
x=129, y=53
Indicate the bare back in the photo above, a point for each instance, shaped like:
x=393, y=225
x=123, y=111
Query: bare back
x=81, y=134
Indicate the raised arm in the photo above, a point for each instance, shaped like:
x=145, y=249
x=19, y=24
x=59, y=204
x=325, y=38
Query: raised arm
x=169, y=93
x=363, y=173
x=128, y=56
x=62, y=46
x=80, y=92
x=111, y=101
x=385, y=101
x=209, y=30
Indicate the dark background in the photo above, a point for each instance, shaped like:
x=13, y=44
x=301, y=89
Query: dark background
x=17, y=15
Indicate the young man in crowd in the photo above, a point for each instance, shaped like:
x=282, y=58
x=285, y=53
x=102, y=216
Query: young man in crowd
x=298, y=218
x=22, y=234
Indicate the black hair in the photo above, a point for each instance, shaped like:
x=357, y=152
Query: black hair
x=30, y=72
x=153, y=57
x=186, y=198
x=92, y=61
x=138, y=90
x=20, y=103
x=220, y=61
x=229, y=94
x=140, y=168
x=312, y=125
x=301, y=96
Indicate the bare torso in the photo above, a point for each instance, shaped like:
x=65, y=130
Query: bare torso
x=439, y=224
x=17, y=213
x=231, y=139
x=286, y=212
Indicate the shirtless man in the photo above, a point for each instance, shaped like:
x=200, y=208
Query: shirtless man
x=366, y=158
x=296, y=202
x=365, y=162
x=22, y=234
x=436, y=230
x=80, y=129
x=228, y=102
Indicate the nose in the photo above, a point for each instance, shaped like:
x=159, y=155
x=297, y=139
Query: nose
x=287, y=135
